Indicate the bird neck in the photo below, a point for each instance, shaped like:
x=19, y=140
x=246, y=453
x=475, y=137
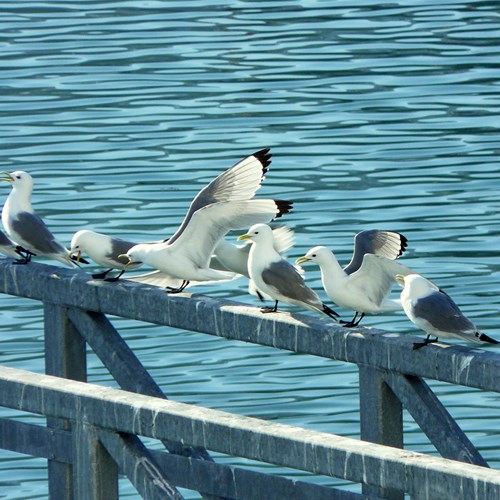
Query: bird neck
x=19, y=200
x=331, y=273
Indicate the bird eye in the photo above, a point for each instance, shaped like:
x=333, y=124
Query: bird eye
x=18, y=176
x=256, y=232
x=314, y=255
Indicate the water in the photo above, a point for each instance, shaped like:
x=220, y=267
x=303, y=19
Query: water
x=378, y=115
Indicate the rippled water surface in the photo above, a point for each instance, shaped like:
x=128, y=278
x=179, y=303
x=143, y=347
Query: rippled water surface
x=379, y=115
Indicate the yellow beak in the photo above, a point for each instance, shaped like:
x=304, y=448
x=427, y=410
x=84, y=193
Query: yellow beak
x=244, y=237
x=78, y=255
x=302, y=259
x=400, y=279
x=8, y=178
x=124, y=256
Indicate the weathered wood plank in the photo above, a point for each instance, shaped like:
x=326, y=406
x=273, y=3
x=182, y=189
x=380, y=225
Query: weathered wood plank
x=433, y=418
x=65, y=356
x=302, y=333
x=274, y=443
x=123, y=364
x=35, y=440
x=381, y=419
x=137, y=463
x=194, y=474
x=95, y=472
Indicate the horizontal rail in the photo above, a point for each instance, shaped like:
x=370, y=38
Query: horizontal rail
x=306, y=334
x=274, y=443
x=185, y=472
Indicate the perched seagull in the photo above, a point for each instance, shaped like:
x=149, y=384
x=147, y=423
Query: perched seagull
x=187, y=257
x=221, y=206
x=24, y=226
x=103, y=250
x=230, y=257
x=276, y=277
x=434, y=311
x=365, y=283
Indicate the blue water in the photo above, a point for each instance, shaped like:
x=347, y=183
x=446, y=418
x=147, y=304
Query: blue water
x=379, y=115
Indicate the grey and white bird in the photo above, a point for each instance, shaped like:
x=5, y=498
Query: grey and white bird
x=187, y=256
x=434, y=311
x=223, y=205
x=365, y=283
x=276, y=277
x=103, y=250
x=230, y=257
x=24, y=226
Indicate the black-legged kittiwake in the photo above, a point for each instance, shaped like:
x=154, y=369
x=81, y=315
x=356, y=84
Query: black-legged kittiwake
x=435, y=312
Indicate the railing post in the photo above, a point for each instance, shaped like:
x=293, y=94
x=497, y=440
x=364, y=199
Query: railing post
x=381, y=419
x=64, y=357
x=95, y=472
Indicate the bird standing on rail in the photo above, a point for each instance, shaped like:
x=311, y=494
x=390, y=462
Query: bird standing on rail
x=24, y=226
x=103, y=250
x=224, y=204
x=276, y=277
x=435, y=312
x=365, y=283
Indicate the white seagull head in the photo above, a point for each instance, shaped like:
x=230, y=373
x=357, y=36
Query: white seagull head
x=20, y=180
x=258, y=233
x=316, y=254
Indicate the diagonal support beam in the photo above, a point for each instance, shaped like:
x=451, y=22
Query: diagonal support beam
x=123, y=364
x=434, y=419
x=137, y=463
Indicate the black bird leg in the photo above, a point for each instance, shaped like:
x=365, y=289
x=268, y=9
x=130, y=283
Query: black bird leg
x=184, y=284
x=353, y=322
x=101, y=276
x=418, y=345
x=268, y=309
x=25, y=256
x=114, y=278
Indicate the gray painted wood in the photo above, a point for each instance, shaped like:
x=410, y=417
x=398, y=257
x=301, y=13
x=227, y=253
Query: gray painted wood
x=434, y=419
x=95, y=472
x=123, y=364
x=209, y=478
x=36, y=440
x=381, y=419
x=279, y=444
x=137, y=463
x=65, y=356
x=302, y=333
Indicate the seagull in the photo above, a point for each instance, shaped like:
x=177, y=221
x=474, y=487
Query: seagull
x=435, y=312
x=230, y=257
x=276, y=277
x=365, y=283
x=219, y=207
x=24, y=226
x=103, y=250
x=187, y=257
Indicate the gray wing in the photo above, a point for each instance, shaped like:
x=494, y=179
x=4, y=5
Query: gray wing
x=443, y=314
x=119, y=247
x=31, y=228
x=287, y=281
x=240, y=182
x=388, y=244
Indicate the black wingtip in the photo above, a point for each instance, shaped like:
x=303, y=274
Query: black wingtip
x=330, y=312
x=78, y=261
x=284, y=207
x=264, y=156
x=485, y=338
x=404, y=243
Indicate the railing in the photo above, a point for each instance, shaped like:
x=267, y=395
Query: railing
x=92, y=432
